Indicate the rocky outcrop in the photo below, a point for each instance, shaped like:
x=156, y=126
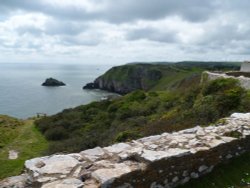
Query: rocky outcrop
x=127, y=78
x=165, y=160
x=244, y=81
x=91, y=86
x=52, y=82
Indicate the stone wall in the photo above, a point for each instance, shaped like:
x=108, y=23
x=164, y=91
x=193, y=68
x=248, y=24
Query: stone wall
x=165, y=160
x=244, y=81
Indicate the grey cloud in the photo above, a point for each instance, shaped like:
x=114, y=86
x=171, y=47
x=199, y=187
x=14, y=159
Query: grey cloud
x=29, y=30
x=225, y=35
x=128, y=10
x=75, y=26
x=58, y=27
x=118, y=11
x=66, y=12
x=88, y=39
x=152, y=34
x=69, y=41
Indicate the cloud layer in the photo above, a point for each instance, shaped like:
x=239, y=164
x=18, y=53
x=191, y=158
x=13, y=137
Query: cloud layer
x=119, y=31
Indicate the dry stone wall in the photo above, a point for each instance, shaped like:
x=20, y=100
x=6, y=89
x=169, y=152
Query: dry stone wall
x=165, y=160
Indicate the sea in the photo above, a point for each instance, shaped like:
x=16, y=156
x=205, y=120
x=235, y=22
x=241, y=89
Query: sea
x=22, y=96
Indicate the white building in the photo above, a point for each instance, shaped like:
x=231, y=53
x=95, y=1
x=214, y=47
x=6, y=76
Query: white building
x=245, y=66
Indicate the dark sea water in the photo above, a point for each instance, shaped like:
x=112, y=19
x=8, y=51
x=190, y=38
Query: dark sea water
x=22, y=96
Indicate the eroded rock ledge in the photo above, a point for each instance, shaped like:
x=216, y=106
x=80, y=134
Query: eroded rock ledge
x=165, y=160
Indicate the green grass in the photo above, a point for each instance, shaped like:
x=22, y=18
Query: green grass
x=22, y=137
x=232, y=175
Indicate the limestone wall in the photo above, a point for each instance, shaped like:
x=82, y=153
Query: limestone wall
x=165, y=160
x=244, y=81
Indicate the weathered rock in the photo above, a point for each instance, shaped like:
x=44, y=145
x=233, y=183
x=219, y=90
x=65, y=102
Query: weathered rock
x=52, y=82
x=49, y=168
x=107, y=175
x=65, y=183
x=93, y=154
x=117, y=148
x=15, y=182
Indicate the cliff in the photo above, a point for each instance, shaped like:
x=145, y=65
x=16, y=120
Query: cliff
x=165, y=160
x=127, y=78
x=156, y=76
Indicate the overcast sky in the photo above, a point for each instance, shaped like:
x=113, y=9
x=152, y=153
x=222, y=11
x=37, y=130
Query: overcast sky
x=120, y=31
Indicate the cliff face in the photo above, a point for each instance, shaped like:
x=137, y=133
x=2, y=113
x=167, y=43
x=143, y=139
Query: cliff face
x=124, y=79
x=162, y=76
x=165, y=160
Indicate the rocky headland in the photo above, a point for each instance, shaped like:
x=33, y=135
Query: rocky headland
x=127, y=78
x=53, y=82
x=159, y=76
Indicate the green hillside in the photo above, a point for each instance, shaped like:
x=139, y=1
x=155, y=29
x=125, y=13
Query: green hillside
x=140, y=114
x=157, y=76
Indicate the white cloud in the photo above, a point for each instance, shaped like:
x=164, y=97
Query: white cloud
x=119, y=31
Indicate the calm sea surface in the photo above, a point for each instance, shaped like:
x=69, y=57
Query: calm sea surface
x=22, y=96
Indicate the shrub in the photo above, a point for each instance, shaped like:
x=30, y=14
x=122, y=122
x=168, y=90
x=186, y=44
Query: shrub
x=219, y=86
x=56, y=133
x=138, y=95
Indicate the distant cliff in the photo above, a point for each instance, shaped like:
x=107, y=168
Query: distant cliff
x=127, y=78
x=157, y=76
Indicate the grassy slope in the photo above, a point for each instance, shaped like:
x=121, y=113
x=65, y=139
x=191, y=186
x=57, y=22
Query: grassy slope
x=23, y=137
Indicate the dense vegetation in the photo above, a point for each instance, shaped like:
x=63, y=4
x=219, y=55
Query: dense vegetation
x=23, y=137
x=142, y=113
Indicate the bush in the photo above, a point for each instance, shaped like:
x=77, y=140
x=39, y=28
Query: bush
x=219, y=86
x=138, y=95
x=56, y=133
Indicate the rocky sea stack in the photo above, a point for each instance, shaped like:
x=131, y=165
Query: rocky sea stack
x=53, y=82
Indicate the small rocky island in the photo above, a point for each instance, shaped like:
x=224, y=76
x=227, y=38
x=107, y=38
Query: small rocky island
x=52, y=82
